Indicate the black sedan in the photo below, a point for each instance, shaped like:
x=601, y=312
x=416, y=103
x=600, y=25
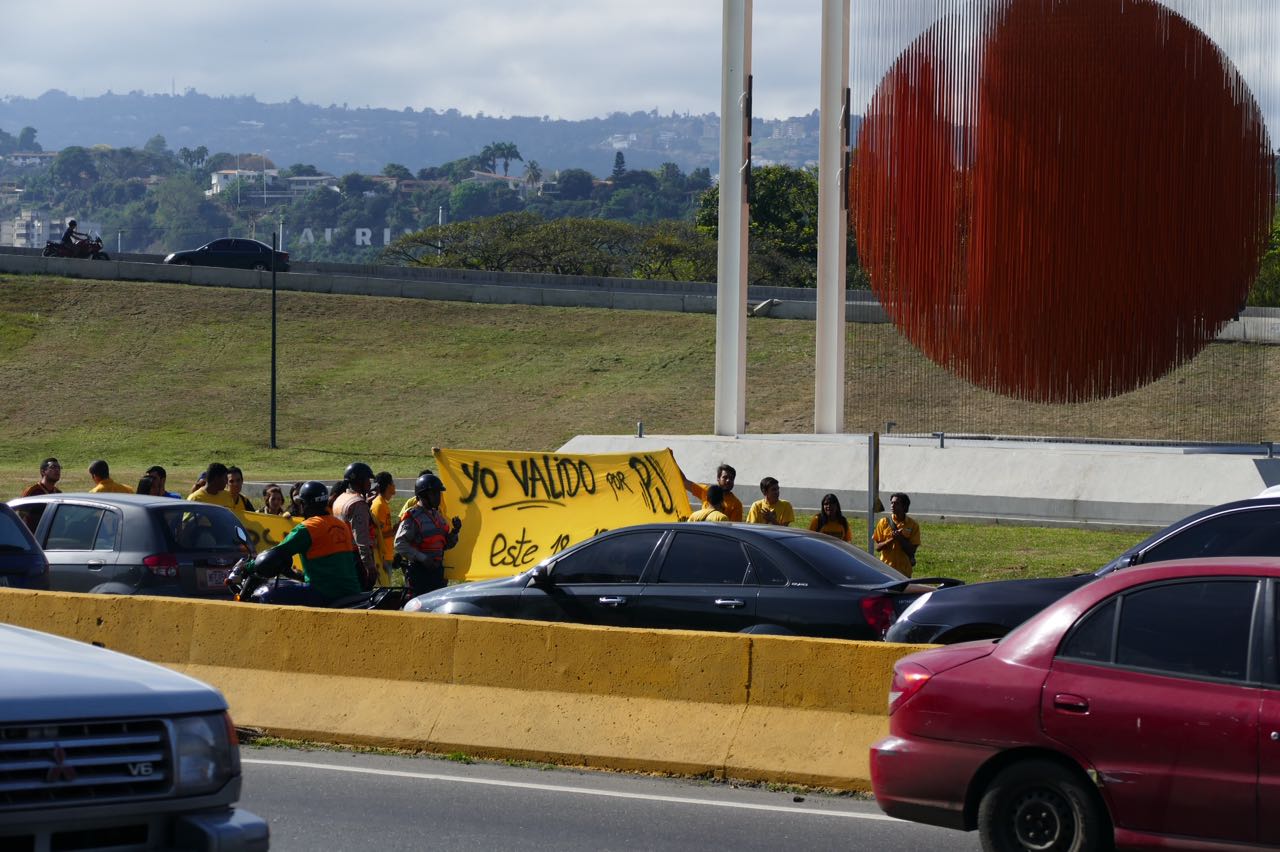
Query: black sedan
x=233, y=254
x=130, y=544
x=700, y=576
x=990, y=610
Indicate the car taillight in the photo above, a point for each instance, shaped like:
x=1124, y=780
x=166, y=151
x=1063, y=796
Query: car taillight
x=877, y=610
x=908, y=679
x=161, y=564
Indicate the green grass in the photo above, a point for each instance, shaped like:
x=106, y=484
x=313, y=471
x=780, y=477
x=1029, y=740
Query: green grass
x=143, y=374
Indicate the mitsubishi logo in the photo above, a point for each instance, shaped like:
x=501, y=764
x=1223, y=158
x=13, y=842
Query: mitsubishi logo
x=61, y=770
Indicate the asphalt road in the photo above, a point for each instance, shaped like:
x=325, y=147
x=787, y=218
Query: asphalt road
x=346, y=801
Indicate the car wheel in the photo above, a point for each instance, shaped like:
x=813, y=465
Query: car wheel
x=1041, y=806
x=261, y=267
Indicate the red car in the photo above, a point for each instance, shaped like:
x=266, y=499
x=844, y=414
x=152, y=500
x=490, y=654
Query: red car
x=1142, y=710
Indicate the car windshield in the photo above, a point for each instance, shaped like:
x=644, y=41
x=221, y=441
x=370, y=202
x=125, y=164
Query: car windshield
x=839, y=562
x=12, y=537
x=189, y=527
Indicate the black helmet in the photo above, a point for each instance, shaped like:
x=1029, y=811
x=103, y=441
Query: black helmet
x=314, y=497
x=427, y=482
x=357, y=470
x=72, y=223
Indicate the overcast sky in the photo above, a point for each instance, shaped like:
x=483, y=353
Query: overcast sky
x=562, y=58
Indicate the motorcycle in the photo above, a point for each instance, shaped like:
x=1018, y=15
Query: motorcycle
x=90, y=247
x=247, y=583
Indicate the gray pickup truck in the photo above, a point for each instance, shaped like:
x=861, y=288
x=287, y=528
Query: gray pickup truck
x=99, y=750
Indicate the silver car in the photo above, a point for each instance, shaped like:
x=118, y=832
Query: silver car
x=99, y=750
x=129, y=544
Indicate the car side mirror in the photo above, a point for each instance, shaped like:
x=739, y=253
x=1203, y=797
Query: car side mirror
x=541, y=575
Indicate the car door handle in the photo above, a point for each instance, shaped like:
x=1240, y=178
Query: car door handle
x=95, y=564
x=614, y=601
x=729, y=603
x=1070, y=703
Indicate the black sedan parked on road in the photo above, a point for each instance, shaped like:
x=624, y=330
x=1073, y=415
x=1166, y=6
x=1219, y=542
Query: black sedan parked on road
x=233, y=254
x=129, y=544
x=990, y=610
x=701, y=576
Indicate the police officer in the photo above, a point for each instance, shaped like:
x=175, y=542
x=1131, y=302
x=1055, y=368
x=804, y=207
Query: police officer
x=424, y=535
x=327, y=550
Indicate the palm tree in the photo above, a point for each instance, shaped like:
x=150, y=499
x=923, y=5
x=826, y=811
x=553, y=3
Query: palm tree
x=532, y=174
x=506, y=152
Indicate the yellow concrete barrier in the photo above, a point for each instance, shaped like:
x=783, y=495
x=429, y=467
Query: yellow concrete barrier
x=758, y=707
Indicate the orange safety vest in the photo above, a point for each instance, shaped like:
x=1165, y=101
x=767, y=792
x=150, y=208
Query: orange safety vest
x=329, y=535
x=434, y=538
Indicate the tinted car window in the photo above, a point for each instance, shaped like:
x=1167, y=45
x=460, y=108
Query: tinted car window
x=616, y=559
x=12, y=538
x=188, y=527
x=763, y=571
x=220, y=245
x=839, y=562
x=1092, y=639
x=1248, y=533
x=73, y=528
x=704, y=559
x=1198, y=629
x=108, y=530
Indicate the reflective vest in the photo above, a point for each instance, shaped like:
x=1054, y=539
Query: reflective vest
x=432, y=529
x=329, y=535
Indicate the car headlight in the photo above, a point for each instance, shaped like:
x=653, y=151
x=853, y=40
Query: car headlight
x=206, y=754
x=915, y=605
x=168, y=258
x=414, y=605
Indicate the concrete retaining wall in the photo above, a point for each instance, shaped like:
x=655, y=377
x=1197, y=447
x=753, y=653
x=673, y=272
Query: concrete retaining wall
x=761, y=708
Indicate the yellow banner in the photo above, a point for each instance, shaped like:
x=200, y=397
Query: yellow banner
x=268, y=530
x=519, y=508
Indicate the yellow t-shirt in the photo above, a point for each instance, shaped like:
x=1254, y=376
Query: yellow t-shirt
x=710, y=514
x=833, y=528
x=894, y=554
x=222, y=498
x=732, y=505
x=783, y=514
x=386, y=531
x=110, y=486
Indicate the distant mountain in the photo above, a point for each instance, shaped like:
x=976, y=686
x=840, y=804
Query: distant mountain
x=339, y=140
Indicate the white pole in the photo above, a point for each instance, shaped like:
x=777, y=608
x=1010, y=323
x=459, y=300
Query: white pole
x=731, y=265
x=829, y=346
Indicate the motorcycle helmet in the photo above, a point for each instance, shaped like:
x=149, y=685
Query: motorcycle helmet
x=357, y=470
x=427, y=482
x=72, y=223
x=314, y=497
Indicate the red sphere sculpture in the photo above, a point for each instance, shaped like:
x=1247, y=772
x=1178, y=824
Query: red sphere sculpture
x=1062, y=201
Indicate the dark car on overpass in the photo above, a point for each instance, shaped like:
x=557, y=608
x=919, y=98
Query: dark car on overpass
x=134, y=544
x=746, y=578
x=22, y=563
x=236, y=253
x=990, y=610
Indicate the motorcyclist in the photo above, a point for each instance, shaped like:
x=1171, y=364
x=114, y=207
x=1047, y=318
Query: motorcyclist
x=352, y=507
x=424, y=535
x=327, y=550
x=70, y=234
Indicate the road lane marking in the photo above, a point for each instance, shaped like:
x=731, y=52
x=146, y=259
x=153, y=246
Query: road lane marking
x=558, y=788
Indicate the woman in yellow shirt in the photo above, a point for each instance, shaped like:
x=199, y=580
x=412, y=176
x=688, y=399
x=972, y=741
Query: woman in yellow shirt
x=384, y=487
x=831, y=520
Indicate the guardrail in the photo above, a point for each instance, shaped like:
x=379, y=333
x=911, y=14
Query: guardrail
x=766, y=708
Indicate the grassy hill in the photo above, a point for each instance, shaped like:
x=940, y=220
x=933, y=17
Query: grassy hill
x=141, y=374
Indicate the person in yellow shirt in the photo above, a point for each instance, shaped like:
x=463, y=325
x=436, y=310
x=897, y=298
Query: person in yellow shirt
x=831, y=521
x=713, y=510
x=897, y=536
x=725, y=477
x=215, y=490
x=100, y=473
x=384, y=488
x=771, y=510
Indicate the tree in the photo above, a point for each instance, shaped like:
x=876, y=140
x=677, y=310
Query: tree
x=156, y=145
x=301, y=170
x=532, y=174
x=200, y=154
x=506, y=152
x=619, y=166
x=575, y=184
x=355, y=185
x=397, y=171
x=27, y=140
x=73, y=168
